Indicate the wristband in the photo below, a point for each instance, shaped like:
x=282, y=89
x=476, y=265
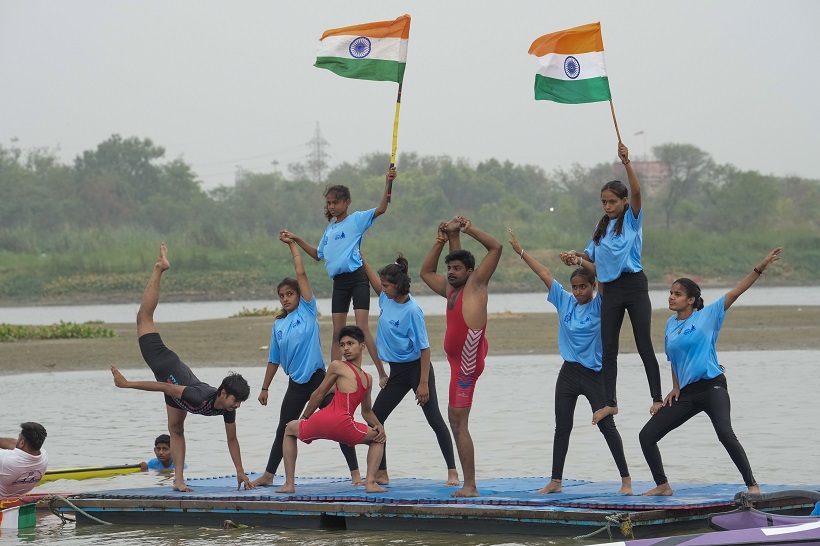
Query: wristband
x=441, y=239
x=522, y=253
x=264, y=389
x=758, y=271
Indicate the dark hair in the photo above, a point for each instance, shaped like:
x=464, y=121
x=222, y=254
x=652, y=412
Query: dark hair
x=352, y=331
x=341, y=192
x=464, y=256
x=34, y=434
x=234, y=384
x=292, y=283
x=617, y=187
x=583, y=273
x=692, y=290
x=162, y=439
x=397, y=274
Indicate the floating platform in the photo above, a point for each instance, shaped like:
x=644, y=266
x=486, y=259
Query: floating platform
x=506, y=505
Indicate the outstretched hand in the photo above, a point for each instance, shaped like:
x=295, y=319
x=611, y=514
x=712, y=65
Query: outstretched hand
x=516, y=246
x=770, y=258
x=570, y=258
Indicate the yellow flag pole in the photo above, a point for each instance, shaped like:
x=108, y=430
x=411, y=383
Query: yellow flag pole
x=617, y=132
x=395, y=141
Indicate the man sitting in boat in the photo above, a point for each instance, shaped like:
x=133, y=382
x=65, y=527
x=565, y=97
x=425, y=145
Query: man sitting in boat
x=23, y=460
x=184, y=392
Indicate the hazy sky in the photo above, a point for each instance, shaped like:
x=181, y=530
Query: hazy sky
x=228, y=83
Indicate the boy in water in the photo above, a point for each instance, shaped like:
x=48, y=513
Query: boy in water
x=162, y=450
x=335, y=421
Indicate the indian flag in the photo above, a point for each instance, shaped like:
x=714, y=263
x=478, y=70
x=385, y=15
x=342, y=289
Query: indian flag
x=373, y=51
x=19, y=517
x=572, y=70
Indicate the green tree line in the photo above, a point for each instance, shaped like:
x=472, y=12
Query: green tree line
x=90, y=230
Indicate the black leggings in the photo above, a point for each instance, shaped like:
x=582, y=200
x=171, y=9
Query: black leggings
x=576, y=380
x=709, y=395
x=403, y=377
x=629, y=292
x=293, y=403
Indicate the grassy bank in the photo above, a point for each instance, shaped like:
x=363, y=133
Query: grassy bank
x=230, y=343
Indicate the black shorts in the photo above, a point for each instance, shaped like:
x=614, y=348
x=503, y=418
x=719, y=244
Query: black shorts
x=350, y=286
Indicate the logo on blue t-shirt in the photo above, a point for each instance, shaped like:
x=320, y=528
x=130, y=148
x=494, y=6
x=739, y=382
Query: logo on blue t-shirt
x=297, y=322
x=568, y=317
x=340, y=236
x=279, y=335
x=689, y=330
x=394, y=323
x=586, y=319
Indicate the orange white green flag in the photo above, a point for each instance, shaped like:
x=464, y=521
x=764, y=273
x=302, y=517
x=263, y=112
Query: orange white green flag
x=372, y=51
x=572, y=70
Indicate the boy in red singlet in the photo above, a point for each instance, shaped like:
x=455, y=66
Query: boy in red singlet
x=465, y=344
x=335, y=421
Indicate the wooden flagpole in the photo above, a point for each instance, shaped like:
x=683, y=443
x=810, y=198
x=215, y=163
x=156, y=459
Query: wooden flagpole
x=395, y=141
x=617, y=132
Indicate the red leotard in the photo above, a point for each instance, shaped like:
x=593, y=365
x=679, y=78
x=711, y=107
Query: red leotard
x=466, y=349
x=335, y=421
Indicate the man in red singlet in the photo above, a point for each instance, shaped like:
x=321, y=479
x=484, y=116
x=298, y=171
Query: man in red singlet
x=335, y=421
x=464, y=341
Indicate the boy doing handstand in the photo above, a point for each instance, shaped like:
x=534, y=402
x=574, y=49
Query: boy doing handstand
x=335, y=421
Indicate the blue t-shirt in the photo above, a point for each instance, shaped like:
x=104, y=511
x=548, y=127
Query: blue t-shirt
x=579, y=327
x=402, y=333
x=295, y=344
x=154, y=464
x=340, y=243
x=690, y=344
x=617, y=254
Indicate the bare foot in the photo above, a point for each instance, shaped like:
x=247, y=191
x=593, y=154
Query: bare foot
x=603, y=412
x=755, y=489
x=382, y=478
x=286, y=488
x=180, y=486
x=162, y=262
x=553, y=487
x=373, y=487
x=663, y=490
x=452, y=478
x=264, y=480
x=356, y=478
x=119, y=380
x=466, y=492
x=626, y=486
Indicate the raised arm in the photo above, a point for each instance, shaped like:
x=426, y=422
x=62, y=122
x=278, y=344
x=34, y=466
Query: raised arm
x=298, y=265
x=8, y=443
x=236, y=457
x=436, y=281
x=538, y=268
x=382, y=208
x=485, y=269
x=373, y=277
x=747, y=281
x=174, y=391
x=634, y=185
x=451, y=231
x=311, y=251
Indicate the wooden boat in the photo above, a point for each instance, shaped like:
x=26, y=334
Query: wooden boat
x=86, y=472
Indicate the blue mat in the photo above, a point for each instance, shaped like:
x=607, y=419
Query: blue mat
x=509, y=492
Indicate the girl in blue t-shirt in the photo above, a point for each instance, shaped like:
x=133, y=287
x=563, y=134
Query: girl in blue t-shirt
x=295, y=347
x=402, y=342
x=615, y=249
x=698, y=382
x=579, y=343
x=339, y=248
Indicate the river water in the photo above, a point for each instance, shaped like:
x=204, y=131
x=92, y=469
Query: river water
x=90, y=422
x=533, y=302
